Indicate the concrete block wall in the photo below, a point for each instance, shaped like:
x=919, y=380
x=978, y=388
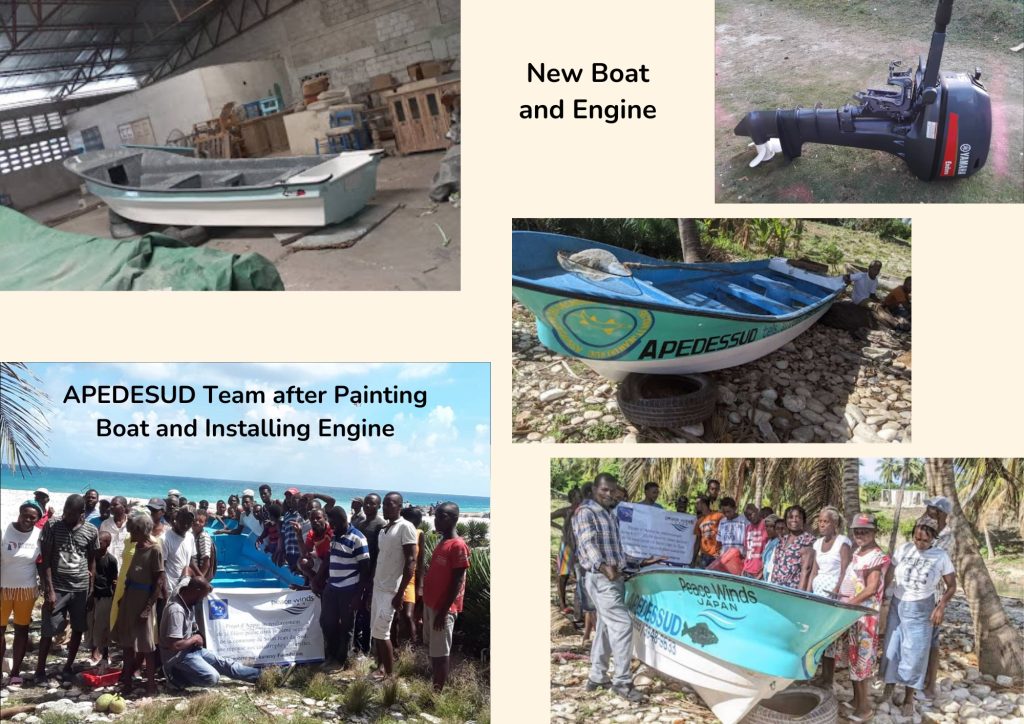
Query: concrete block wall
x=350, y=40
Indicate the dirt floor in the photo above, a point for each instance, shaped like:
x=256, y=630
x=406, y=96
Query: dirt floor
x=415, y=248
x=790, y=53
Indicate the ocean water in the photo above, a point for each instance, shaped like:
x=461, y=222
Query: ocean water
x=144, y=487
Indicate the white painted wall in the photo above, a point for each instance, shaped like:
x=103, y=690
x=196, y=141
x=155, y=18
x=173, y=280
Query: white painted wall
x=181, y=101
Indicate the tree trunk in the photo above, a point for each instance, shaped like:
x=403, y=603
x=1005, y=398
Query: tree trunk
x=988, y=543
x=690, y=238
x=999, y=646
x=758, y=481
x=851, y=489
x=896, y=518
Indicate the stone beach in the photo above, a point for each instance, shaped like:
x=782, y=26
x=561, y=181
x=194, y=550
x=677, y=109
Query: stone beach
x=965, y=694
x=825, y=386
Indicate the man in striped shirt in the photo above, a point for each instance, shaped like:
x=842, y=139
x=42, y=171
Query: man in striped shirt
x=599, y=552
x=289, y=536
x=342, y=584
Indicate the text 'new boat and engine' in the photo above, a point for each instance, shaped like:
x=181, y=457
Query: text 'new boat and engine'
x=623, y=312
x=735, y=640
x=157, y=187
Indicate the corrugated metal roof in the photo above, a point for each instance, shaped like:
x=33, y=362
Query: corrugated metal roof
x=55, y=48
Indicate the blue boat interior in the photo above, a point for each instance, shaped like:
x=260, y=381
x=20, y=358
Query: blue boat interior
x=241, y=565
x=747, y=288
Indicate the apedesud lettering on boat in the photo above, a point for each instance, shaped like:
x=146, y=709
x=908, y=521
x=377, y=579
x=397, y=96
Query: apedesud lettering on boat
x=621, y=312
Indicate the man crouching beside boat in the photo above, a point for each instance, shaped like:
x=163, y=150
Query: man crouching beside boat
x=599, y=553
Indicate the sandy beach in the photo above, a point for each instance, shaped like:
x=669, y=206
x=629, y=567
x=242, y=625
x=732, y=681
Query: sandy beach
x=11, y=498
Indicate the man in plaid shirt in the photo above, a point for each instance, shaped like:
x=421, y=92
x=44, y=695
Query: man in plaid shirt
x=599, y=552
x=289, y=537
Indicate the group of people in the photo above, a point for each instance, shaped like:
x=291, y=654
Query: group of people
x=917, y=580
x=134, y=575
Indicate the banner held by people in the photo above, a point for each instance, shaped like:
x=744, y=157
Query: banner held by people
x=264, y=627
x=648, y=531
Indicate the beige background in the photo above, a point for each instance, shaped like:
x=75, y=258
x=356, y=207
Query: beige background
x=968, y=261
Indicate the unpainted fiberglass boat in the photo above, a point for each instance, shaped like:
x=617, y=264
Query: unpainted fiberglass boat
x=158, y=187
x=735, y=640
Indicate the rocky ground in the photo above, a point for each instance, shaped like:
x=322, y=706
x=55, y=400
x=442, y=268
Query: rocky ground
x=966, y=695
x=312, y=693
x=825, y=386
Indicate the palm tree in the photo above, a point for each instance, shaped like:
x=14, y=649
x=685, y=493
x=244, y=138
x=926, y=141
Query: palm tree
x=23, y=419
x=999, y=645
x=689, y=236
x=909, y=471
x=851, y=488
x=991, y=486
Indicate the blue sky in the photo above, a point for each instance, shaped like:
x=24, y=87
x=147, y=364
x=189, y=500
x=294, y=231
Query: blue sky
x=869, y=469
x=443, y=446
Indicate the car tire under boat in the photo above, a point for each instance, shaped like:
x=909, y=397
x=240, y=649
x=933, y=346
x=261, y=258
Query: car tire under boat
x=667, y=400
x=803, y=704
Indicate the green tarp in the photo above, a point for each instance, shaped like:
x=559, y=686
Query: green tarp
x=36, y=257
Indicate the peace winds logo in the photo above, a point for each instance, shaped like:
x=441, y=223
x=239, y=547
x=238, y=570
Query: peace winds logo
x=597, y=332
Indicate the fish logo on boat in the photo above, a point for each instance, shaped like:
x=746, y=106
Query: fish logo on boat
x=596, y=331
x=701, y=634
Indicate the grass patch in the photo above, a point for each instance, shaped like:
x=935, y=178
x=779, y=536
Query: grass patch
x=301, y=677
x=407, y=663
x=390, y=693
x=319, y=687
x=357, y=696
x=209, y=708
x=602, y=431
x=270, y=679
x=52, y=717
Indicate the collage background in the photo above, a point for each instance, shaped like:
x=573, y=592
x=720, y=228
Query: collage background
x=968, y=393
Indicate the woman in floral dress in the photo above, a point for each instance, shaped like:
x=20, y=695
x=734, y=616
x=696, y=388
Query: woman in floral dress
x=794, y=555
x=862, y=585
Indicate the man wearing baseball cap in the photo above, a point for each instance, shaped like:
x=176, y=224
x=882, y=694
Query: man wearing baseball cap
x=157, y=507
x=940, y=509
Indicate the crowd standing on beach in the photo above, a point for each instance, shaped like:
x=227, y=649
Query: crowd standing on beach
x=133, y=575
x=916, y=581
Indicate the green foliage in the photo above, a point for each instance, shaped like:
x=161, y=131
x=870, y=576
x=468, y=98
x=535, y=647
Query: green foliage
x=870, y=492
x=567, y=473
x=475, y=620
x=883, y=520
x=357, y=696
x=461, y=529
x=318, y=687
x=654, y=237
x=833, y=256
x=476, y=533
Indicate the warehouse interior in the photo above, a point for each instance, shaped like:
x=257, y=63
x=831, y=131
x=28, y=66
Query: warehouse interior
x=203, y=92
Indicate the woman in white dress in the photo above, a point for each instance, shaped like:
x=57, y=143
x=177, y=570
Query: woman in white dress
x=832, y=553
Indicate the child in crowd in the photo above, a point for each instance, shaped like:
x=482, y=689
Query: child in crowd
x=272, y=534
x=98, y=619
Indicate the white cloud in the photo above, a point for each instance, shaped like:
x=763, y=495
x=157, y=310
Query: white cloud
x=420, y=370
x=442, y=416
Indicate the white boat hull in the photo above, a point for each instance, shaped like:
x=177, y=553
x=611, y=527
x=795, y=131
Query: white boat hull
x=617, y=370
x=730, y=691
x=270, y=212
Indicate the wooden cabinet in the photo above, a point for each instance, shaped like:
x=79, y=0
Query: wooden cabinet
x=418, y=118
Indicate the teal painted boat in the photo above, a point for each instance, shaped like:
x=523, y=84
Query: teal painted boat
x=158, y=187
x=623, y=312
x=241, y=565
x=735, y=640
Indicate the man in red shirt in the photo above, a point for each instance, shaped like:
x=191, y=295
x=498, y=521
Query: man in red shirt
x=443, y=588
x=315, y=548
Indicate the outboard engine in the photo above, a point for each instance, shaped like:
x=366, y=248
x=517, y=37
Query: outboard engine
x=940, y=123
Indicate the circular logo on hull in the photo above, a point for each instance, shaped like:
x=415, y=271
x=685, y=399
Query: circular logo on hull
x=595, y=331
